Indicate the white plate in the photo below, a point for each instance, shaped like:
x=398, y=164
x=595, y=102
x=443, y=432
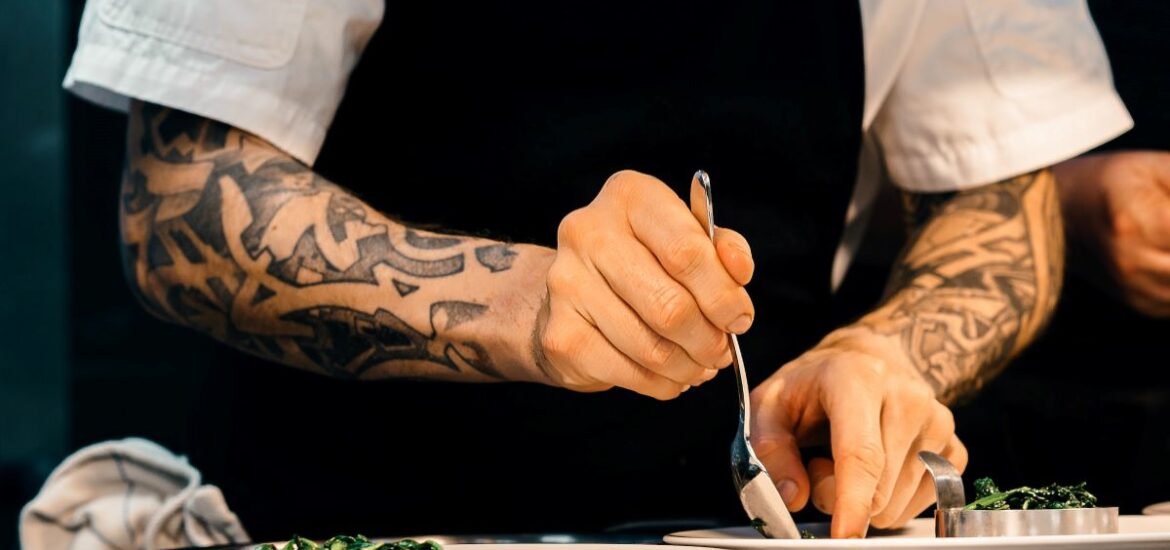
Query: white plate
x=1135, y=533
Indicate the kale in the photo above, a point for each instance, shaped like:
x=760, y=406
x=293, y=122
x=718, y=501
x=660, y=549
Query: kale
x=758, y=524
x=358, y=542
x=988, y=496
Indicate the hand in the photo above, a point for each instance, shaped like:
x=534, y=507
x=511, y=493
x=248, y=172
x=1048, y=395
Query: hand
x=1118, y=206
x=876, y=412
x=639, y=296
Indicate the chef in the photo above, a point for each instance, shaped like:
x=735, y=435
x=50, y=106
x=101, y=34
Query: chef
x=387, y=235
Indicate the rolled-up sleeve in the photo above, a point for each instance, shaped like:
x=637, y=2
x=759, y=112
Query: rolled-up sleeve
x=989, y=90
x=276, y=68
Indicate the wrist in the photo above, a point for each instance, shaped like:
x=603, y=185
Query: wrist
x=875, y=339
x=519, y=308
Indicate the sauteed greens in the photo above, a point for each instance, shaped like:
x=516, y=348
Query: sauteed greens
x=343, y=542
x=988, y=496
x=758, y=524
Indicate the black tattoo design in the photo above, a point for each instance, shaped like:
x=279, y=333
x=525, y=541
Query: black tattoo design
x=227, y=235
x=347, y=342
x=976, y=284
x=430, y=242
x=404, y=288
x=496, y=257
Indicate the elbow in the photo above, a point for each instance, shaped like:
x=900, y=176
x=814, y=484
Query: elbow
x=135, y=237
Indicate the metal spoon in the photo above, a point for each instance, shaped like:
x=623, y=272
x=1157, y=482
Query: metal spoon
x=757, y=493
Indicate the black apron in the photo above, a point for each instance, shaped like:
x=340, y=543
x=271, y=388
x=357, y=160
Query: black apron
x=499, y=118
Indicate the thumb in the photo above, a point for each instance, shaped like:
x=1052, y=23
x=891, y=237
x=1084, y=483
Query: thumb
x=774, y=443
x=735, y=254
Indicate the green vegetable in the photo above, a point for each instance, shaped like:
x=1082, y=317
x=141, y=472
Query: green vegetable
x=759, y=525
x=988, y=496
x=358, y=542
x=298, y=542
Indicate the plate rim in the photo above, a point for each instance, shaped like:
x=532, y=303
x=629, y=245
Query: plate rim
x=680, y=538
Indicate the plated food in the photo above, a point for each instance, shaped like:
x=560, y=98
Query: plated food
x=346, y=542
x=988, y=496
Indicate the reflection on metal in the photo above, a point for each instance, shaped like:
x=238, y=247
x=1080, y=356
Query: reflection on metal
x=952, y=520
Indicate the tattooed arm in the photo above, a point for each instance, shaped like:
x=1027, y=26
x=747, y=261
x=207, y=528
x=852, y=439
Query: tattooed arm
x=974, y=285
x=228, y=235
x=977, y=281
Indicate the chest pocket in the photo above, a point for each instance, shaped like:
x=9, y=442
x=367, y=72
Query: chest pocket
x=259, y=33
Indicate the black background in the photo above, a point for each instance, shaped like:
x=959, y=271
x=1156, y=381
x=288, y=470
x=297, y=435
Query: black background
x=1089, y=401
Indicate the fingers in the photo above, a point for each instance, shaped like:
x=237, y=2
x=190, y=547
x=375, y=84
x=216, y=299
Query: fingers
x=937, y=436
x=858, y=453
x=663, y=304
x=668, y=229
x=824, y=483
x=634, y=339
x=924, y=495
x=1146, y=282
x=902, y=420
x=776, y=446
x=591, y=363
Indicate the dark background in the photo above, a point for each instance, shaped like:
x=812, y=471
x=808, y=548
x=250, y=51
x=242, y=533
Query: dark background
x=1090, y=401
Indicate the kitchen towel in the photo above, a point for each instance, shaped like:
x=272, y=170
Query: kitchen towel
x=127, y=495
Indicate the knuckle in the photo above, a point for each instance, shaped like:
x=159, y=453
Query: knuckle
x=944, y=420
x=559, y=279
x=559, y=344
x=622, y=183
x=569, y=230
x=917, y=395
x=876, y=368
x=685, y=255
x=658, y=355
x=715, y=349
x=1123, y=224
x=673, y=308
x=868, y=457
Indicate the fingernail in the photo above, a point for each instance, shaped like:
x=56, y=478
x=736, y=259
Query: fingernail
x=824, y=494
x=740, y=325
x=787, y=489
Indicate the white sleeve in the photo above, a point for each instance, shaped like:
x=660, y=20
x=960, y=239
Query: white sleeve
x=989, y=90
x=276, y=68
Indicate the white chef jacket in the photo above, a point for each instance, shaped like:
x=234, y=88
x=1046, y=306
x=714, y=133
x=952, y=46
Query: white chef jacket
x=958, y=93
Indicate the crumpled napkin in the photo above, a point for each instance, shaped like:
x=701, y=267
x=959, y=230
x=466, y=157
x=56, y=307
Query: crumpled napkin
x=127, y=495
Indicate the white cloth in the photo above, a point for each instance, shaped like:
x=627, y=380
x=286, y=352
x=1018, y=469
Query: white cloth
x=276, y=68
x=962, y=93
x=123, y=495
x=958, y=92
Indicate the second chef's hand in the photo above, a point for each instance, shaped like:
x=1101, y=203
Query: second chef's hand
x=976, y=282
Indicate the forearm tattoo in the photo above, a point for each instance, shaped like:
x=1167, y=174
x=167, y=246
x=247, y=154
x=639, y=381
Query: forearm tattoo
x=977, y=281
x=225, y=234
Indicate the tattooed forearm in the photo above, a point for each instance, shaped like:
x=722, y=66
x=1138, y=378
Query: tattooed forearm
x=977, y=281
x=225, y=234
